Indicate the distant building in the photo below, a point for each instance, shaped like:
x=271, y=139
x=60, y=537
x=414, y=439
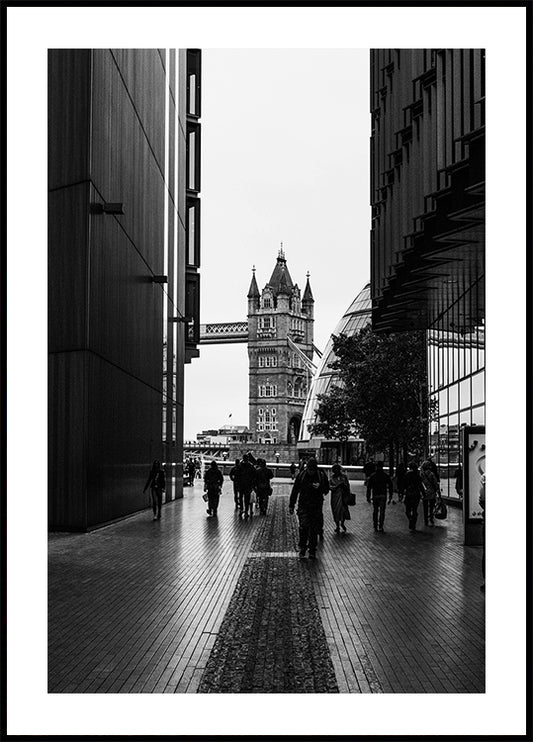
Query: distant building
x=225, y=435
x=124, y=252
x=280, y=348
x=428, y=224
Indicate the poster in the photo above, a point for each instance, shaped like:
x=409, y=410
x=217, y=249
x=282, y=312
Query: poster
x=474, y=474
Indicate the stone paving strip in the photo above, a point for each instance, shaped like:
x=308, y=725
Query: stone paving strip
x=272, y=639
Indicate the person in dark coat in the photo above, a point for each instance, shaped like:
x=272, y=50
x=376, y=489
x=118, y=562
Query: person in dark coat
x=308, y=490
x=191, y=471
x=458, y=474
x=292, y=469
x=400, y=477
x=340, y=488
x=233, y=476
x=245, y=476
x=379, y=483
x=213, y=481
x=263, y=489
x=414, y=490
x=431, y=490
x=156, y=482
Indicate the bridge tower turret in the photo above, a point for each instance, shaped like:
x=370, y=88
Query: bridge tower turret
x=278, y=377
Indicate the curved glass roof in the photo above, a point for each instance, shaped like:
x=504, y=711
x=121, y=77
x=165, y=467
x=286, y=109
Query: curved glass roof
x=354, y=319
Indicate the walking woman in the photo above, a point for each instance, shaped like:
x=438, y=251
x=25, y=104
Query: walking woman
x=431, y=490
x=340, y=489
x=414, y=490
x=157, y=484
x=213, y=480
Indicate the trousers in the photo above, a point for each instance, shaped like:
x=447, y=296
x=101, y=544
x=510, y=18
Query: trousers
x=310, y=523
x=380, y=504
x=411, y=509
x=213, y=498
x=157, y=499
x=429, y=510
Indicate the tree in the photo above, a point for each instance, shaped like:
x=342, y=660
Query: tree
x=382, y=392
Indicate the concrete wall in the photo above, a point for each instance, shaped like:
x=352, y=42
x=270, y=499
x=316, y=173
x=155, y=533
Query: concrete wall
x=107, y=144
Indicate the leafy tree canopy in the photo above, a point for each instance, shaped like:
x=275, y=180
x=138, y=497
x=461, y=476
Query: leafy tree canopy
x=381, y=395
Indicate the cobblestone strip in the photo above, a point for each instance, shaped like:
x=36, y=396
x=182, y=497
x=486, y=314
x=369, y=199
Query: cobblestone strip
x=272, y=639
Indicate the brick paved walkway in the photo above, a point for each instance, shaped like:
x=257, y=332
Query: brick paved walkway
x=138, y=606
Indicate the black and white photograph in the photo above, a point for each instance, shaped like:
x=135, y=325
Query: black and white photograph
x=276, y=326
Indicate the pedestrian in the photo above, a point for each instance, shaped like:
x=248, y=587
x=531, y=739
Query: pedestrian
x=400, y=477
x=481, y=501
x=156, y=482
x=245, y=481
x=263, y=489
x=191, y=471
x=308, y=491
x=213, y=480
x=379, y=483
x=458, y=474
x=431, y=490
x=368, y=469
x=340, y=490
x=292, y=469
x=413, y=491
x=233, y=477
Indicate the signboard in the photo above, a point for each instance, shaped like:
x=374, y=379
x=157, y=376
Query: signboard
x=473, y=444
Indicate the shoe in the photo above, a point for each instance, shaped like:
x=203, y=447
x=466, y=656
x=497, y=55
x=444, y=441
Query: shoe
x=246, y=515
x=381, y=530
x=343, y=527
x=302, y=554
x=337, y=530
x=154, y=518
x=208, y=511
x=312, y=555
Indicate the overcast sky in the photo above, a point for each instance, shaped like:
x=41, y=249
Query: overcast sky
x=285, y=158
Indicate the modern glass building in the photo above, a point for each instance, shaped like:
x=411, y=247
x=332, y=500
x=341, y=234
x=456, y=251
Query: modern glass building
x=354, y=319
x=428, y=226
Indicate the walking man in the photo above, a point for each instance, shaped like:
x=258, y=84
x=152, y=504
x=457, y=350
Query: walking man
x=245, y=476
x=379, y=483
x=308, y=490
x=213, y=480
x=431, y=490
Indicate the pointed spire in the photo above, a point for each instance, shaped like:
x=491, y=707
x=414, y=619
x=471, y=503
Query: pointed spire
x=308, y=294
x=281, y=255
x=253, y=292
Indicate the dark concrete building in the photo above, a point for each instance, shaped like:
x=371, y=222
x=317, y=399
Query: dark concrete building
x=428, y=223
x=124, y=179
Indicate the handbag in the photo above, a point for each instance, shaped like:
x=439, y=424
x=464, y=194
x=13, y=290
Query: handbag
x=348, y=497
x=205, y=497
x=441, y=511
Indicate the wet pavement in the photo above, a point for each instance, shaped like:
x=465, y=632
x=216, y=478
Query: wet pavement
x=224, y=605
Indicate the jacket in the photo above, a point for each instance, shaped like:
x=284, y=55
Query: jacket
x=413, y=486
x=379, y=483
x=245, y=476
x=156, y=480
x=431, y=485
x=263, y=475
x=308, y=496
x=213, y=478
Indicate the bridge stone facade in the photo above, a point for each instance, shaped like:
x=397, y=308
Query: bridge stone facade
x=279, y=376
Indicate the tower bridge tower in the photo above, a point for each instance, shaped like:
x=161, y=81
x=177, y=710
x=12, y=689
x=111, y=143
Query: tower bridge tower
x=280, y=338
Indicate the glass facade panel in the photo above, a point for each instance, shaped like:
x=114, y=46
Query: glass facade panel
x=464, y=393
x=456, y=376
